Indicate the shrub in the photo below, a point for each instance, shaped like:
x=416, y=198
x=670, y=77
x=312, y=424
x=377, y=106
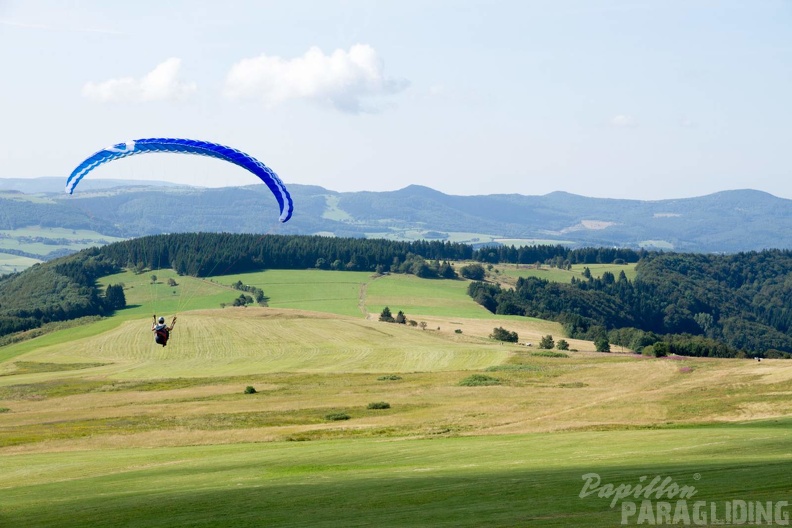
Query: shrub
x=389, y=377
x=458, y=331
x=479, y=380
x=562, y=344
x=250, y=390
x=659, y=349
x=4, y=410
x=550, y=354
x=378, y=405
x=513, y=367
x=547, y=342
x=472, y=272
x=337, y=416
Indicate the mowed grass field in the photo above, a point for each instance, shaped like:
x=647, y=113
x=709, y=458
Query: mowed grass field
x=509, y=273
x=101, y=427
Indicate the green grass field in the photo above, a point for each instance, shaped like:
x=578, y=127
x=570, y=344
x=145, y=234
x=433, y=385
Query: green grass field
x=51, y=238
x=40, y=241
x=101, y=427
x=14, y=263
x=525, y=480
x=509, y=273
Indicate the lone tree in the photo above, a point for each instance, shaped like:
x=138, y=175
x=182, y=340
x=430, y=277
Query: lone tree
x=562, y=344
x=401, y=318
x=501, y=334
x=114, y=297
x=547, y=342
x=601, y=344
x=386, y=315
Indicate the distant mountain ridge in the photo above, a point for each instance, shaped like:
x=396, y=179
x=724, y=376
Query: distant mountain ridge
x=727, y=221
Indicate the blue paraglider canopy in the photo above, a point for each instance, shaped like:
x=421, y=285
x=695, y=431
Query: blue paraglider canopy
x=187, y=146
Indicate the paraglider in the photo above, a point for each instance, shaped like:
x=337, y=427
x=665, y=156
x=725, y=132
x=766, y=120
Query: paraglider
x=161, y=330
x=187, y=146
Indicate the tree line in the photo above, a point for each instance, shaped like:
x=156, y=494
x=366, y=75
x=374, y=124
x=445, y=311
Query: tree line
x=710, y=305
x=65, y=288
x=698, y=305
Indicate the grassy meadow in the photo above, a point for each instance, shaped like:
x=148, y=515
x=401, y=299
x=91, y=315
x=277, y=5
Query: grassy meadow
x=507, y=274
x=40, y=241
x=99, y=426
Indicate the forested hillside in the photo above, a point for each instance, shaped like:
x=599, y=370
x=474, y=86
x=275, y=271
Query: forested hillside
x=60, y=290
x=711, y=305
x=704, y=305
x=65, y=288
x=18, y=211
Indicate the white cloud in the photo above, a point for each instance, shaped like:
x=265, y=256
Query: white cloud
x=624, y=121
x=342, y=79
x=160, y=84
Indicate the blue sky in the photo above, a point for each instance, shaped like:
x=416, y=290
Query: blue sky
x=641, y=99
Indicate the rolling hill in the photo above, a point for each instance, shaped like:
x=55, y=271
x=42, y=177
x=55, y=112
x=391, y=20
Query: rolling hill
x=728, y=221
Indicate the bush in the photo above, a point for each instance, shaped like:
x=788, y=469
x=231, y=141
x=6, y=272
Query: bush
x=250, y=390
x=337, y=416
x=378, y=405
x=547, y=342
x=472, y=272
x=389, y=377
x=659, y=349
x=562, y=344
x=515, y=368
x=550, y=354
x=479, y=380
x=458, y=331
x=573, y=385
x=4, y=410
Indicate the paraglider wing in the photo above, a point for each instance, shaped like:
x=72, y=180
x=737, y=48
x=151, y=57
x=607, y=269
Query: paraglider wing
x=187, y=146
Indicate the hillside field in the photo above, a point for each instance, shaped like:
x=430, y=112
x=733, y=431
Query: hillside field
x=99, y=426
x=38, y=242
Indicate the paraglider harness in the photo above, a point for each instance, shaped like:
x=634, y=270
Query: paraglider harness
x=162, y=331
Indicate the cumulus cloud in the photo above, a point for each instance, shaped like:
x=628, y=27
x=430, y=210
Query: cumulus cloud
x=160, y=84
x=624, y=121
x=343, y=79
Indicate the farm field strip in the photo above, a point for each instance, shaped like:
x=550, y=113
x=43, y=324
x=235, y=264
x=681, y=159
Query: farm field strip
x=467, y=481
